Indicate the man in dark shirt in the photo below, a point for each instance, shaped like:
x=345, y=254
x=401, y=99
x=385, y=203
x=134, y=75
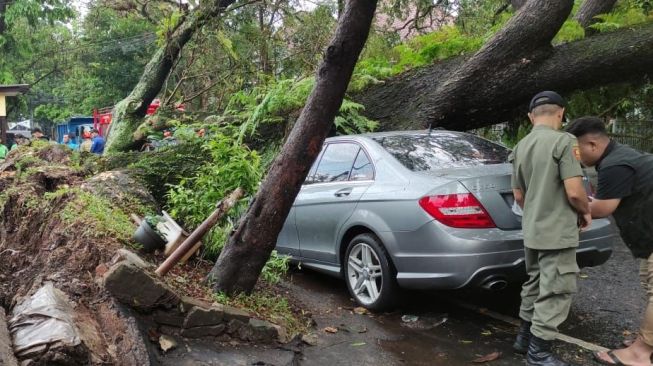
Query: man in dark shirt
x=625, y=190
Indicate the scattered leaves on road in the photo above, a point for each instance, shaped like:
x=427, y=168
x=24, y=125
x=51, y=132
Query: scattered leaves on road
x=331, y=330
x=360, y=310
x=358, y=344
x=486, y=333
x=466, y=342
x=488, y=358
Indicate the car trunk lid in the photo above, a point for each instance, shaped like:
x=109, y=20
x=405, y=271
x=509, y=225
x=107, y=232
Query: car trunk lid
x=490, y=184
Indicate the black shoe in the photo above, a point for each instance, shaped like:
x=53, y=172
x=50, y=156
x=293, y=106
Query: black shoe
x=523, y=338
x=539, y=354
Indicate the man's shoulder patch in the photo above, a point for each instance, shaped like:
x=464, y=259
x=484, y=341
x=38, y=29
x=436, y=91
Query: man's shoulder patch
x=576, y=150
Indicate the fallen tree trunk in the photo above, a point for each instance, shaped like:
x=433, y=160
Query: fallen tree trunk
x=128, y=113
x=415, y=99
x=249, y=247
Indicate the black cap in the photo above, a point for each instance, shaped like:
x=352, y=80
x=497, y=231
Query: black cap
x=547, y=97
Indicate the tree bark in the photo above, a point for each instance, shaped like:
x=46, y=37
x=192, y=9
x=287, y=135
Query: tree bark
x=496, y=95
x=3, y=9
x=589, y=9
x=249, y=247
x=127, y=114
x=532, y=28
x=517, y=4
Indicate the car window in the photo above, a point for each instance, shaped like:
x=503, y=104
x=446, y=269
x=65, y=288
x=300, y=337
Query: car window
x=439, y=150
x=310, y=178
x=336, y=163
x=363, y=169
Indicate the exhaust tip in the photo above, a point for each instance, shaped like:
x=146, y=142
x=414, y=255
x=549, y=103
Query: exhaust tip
x=495, y=284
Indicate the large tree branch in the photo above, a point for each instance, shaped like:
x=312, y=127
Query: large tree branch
x=531, y=29
x=494, y=97
x=128, y=112
x=589, y=9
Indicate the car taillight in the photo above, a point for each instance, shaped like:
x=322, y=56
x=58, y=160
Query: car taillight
x=460, y=210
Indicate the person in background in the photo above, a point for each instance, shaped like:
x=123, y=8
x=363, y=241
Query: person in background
x=86, y=144
x=547, y=184
x=624, y=190
x=98, y=142
x=18, y=141
x=3, y=151
x=38, y=134
x=69, y=140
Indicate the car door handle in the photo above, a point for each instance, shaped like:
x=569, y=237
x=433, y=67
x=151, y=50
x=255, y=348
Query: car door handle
x=343, y=192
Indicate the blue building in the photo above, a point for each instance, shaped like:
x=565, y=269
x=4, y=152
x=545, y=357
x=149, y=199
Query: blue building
x=75, y=125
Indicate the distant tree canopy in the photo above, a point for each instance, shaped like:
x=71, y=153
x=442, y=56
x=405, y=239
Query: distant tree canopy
x=253, y=64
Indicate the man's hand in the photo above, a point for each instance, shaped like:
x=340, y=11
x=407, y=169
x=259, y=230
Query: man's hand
x=584, y=221
x=576, y=195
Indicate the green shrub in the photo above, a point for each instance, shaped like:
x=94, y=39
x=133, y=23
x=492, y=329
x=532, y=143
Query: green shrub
x=168, y=166
x=193, y=199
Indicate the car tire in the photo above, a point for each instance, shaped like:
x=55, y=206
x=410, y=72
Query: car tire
x=369, y=274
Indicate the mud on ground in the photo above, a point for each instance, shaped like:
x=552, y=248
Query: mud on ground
x=44, y=237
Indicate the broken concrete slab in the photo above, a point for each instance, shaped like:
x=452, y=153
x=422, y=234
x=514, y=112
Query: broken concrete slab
x=259, y=331
x=7, y=357
x=136, y=287
x=207, y=331
x=231, y=313
x=171, y=318
x=133, y=258
x=203, y=317
x=234, y=325
x=187, y=303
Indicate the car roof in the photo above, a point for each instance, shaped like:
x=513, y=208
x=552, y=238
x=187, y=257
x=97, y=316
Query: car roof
x=374, y=135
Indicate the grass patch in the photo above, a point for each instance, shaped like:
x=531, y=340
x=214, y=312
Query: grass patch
x=265, y=304
x=98, y=216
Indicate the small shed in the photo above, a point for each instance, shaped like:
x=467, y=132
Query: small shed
x=8, y=91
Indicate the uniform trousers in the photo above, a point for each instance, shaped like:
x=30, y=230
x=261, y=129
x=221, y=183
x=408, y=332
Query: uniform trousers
x=546, y=295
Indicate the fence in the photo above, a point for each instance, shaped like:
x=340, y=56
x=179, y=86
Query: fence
x=636, y=134
x=641, y=143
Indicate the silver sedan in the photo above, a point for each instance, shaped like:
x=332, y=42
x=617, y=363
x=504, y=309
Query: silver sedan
x=417, y=210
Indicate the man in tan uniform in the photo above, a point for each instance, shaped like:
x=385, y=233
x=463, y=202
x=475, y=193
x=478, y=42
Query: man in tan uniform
x=547, y=184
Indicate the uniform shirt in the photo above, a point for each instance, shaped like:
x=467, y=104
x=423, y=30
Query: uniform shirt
x=541, y=163
x=3, y=151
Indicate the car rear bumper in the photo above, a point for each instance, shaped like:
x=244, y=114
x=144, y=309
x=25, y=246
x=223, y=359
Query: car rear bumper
x=479, y=260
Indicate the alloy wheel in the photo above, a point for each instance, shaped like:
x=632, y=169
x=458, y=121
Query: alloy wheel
x=364, y=273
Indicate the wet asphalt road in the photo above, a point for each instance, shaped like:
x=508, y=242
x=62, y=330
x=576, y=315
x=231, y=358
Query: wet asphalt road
x=606, y=310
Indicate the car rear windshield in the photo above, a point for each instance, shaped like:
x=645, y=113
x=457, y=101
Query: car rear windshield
x=441, y=150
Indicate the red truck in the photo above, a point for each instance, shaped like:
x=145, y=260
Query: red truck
x=102, y=116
